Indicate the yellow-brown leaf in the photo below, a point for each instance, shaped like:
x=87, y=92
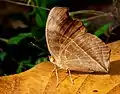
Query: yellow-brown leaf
x=41, y=80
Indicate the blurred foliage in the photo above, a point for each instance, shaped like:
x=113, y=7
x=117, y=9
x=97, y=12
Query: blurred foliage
x=2, y=55
x=103, y=29
x=29, y=45
x=18, y=38
x=26, y=47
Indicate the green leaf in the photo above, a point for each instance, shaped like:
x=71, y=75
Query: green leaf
x=86, y=23
x=2, y=56
x=42, y=59
x=38, y=33
x=18, y=38
x=37, y=2
x=103, y=29
x=22, y=64
x=32, y=12
x=27, y=61
x=44, y=16
x=20, y=67
x=43, y=11
x=39, y=20
x=29, y=65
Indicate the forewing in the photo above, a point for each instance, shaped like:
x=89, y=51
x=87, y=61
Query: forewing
x=59, y=24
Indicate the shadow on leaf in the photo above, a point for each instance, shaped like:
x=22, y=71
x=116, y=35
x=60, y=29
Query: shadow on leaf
x=115, y=68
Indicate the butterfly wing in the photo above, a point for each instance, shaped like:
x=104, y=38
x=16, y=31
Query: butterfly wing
x=72, y=47
x=53, y=30
x=86, y=53
x=57, y=25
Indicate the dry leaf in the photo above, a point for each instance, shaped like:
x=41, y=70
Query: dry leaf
x=17, y=24
x=41, y=80
x=72, y=47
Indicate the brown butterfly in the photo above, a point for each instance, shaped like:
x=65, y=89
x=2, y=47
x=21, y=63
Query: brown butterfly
x=71, y=47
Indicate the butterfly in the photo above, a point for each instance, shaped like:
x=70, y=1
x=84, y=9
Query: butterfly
x=71, y=47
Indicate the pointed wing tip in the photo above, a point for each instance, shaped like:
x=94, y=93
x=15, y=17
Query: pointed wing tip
x=106, y=70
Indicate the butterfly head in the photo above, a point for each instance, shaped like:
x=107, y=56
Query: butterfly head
x=55, y=61
x=52, y=59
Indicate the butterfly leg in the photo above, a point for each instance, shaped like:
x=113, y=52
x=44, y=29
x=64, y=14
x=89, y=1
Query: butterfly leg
x=56, y=73
x=69, y=73
x=55, y=67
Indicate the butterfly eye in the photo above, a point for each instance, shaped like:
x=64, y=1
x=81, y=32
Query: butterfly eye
x=52, y=59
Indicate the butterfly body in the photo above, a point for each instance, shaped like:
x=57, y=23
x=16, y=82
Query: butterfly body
x=72, y=47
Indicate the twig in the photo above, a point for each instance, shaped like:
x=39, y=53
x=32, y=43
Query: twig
x=116, y=11
x=95, y=17
x=86, y=12
x=28, y=2
x=23, y=4
x=98, y=13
